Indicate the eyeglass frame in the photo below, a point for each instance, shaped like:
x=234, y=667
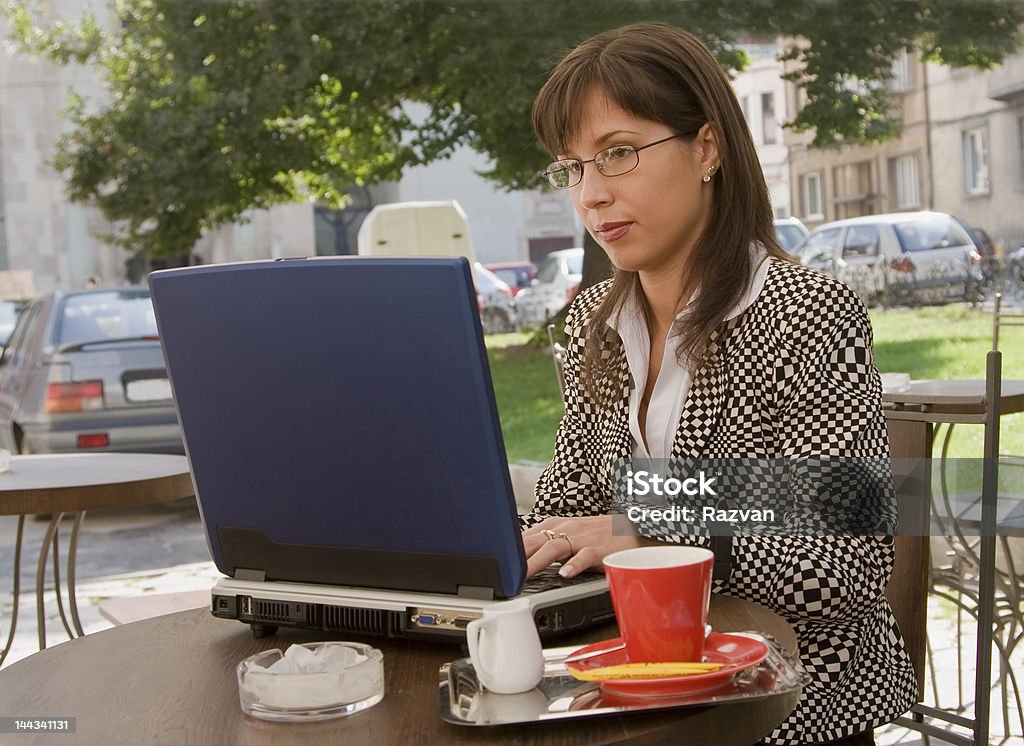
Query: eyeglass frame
x=547, y=172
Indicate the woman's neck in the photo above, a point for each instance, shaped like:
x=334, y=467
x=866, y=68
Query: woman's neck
x=666, y=297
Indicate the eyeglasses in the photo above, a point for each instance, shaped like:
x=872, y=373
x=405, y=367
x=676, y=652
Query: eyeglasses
x=614, y=161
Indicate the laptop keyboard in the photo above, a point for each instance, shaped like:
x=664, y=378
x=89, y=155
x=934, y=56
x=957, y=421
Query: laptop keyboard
x=548, y=579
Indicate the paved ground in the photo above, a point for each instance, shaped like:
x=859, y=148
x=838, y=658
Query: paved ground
x=147, y=552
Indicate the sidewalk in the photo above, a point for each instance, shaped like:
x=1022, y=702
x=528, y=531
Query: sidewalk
x=187, y=585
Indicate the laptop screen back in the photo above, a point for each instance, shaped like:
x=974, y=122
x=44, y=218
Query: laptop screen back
x=340, y=422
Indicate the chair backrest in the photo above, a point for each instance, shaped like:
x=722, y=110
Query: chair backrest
x=907, y=591
x=1004, y=317
x=558, y=354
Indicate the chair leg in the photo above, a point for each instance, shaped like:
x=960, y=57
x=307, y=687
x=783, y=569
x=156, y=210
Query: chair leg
x=959, y=653
x=1007, y=675
x=1016, y=696
x=930, y=655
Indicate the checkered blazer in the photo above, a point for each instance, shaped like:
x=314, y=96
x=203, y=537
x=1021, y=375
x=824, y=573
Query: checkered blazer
x=794, y=377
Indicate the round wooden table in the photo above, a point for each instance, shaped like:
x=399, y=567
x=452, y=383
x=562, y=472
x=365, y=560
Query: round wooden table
x=172, y=680
x=73, y=483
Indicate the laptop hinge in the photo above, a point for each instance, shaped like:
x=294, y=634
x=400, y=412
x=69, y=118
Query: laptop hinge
x=244, y=573
x=476, y=591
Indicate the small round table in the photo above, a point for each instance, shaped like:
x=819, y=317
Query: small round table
x=72, y=483
x=171, y=679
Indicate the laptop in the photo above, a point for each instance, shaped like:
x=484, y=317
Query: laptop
x=342, y=433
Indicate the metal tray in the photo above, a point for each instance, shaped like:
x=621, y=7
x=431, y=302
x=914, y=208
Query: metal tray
x=463, y=701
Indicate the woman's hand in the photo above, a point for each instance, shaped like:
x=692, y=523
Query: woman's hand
x=579, y=543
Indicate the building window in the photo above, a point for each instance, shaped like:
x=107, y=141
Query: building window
x=901, y=72
x=769, y=124
x=976, y=161
x=908, y=191
x=853, y=190
x=813, y=203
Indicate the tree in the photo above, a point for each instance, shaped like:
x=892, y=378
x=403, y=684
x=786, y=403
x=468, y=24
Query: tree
x=219, y=108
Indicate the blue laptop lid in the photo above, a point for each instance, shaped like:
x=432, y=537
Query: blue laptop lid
x=340, y=422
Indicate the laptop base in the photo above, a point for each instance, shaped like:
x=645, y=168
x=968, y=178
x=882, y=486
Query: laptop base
x=266, y=606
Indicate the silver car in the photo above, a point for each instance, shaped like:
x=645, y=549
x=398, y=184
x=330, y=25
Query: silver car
x=9, y=311
x=898, y=258
x=496, y=300
x=789, y=232
x=556, y=284
x=83, y=371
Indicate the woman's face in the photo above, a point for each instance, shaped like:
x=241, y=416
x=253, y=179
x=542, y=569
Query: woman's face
x=649, y=219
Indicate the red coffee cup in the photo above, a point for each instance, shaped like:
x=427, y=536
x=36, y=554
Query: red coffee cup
x=661, y=596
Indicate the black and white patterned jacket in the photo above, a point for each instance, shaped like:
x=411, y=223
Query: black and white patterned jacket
x=796, y=380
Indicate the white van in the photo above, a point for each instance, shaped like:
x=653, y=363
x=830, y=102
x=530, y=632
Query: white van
x=416, y=229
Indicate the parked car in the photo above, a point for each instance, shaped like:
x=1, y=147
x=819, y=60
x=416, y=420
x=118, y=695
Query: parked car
x=903, y=257
x=986, y=246
x=516, y=275
x=1015, y=263
x=789, y=232
x=987, y=261
x=556, y=284
x=495, y=297
x=9, y=310
x=84, y=371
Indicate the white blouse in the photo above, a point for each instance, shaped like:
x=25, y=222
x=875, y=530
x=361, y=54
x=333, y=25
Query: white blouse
x=673, y=383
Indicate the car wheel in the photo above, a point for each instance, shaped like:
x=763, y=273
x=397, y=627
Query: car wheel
x=974, y=290
x=20, y=443
x=1017, y=273
x=495, y=321
x=901, y=294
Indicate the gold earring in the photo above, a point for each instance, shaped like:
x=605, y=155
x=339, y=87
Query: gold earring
x=707, y=176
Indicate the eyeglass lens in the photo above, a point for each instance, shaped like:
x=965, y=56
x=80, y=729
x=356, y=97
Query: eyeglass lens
x=614, y=161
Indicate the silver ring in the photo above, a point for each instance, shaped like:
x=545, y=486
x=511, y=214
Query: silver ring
x=572, y=549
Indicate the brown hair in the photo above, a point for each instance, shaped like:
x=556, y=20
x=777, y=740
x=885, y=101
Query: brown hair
x=664, y=74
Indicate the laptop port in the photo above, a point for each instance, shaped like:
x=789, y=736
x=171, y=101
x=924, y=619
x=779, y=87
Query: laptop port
x=550, y=621
x=438, y=619
x=224, y=606
x=246, y=606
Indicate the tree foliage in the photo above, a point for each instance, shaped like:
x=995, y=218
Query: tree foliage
x=220, y=107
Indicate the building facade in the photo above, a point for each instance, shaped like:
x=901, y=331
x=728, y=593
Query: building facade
x=961, y=151
x=762, y=95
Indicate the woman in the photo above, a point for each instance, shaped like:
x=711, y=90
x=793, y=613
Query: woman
x=707, y=343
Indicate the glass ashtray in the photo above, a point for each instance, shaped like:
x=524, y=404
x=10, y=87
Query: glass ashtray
x=315, y=681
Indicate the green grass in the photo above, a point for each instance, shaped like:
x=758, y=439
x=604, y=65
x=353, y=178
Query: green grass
x=943, y=343
x=951, y=342
x=526, y=389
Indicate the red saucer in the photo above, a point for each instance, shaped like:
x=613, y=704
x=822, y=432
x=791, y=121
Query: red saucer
x=737, y=652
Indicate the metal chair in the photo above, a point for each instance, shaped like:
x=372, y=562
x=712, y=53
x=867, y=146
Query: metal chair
x=956, y=573
x=1003, y=317
x=924, y=718
x=956, y=577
